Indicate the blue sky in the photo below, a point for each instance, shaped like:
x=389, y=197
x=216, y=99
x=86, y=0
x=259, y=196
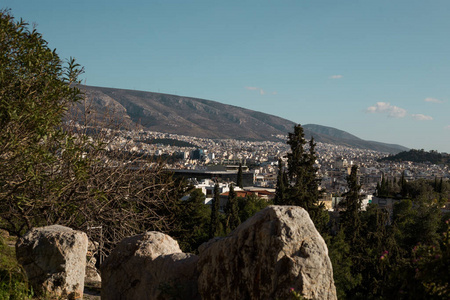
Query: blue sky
x=377, y=69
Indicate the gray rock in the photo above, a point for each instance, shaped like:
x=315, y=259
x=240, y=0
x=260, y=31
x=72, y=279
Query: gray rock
x=92, y=275
x=276, y=250
x=149, y=266
x=54, y=258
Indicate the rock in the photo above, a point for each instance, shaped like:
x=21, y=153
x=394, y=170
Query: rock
x=54, y=258
x=149, y=266
x=92, y=276
x=276, y=250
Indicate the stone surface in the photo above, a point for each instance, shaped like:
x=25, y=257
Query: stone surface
x=92, y=275
x=54, y=258
x=276, y=250
x=149, y=266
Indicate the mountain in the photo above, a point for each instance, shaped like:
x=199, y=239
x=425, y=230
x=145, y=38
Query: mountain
x=201, y=118
x=332, y=135
x=185, y=115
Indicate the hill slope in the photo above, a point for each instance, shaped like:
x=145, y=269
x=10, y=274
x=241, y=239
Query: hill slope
x=335, y=136
x=206, y=118
x=188, y=116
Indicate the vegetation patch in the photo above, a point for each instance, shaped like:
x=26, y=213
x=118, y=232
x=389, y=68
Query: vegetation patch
x=420, y=156
x=13, y=280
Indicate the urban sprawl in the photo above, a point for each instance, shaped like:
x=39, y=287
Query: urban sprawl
x=260, y=159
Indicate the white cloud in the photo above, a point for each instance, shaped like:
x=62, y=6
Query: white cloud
x=336, y=76
x=447, y=127
x=421, y=117
x=259, y=90
x=433, y=100
x=391, y=110
x=251, y=88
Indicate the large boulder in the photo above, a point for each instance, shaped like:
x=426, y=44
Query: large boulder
x=265, y=257
x=54, y=258
x=149, y=266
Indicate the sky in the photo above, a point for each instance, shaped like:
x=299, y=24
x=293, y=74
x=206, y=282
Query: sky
x=377, y=69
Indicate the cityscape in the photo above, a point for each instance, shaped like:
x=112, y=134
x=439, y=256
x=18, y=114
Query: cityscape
x=206, y=158
x=119, y=179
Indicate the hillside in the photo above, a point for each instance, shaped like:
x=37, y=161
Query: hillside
x=204, y=118
x=420, y=156
x=335, y=136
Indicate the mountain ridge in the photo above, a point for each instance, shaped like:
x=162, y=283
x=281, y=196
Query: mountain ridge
x=206, y=118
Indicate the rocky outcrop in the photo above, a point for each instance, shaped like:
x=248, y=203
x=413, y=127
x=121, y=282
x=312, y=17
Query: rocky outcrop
x=264, y=258
x=54, y=258
x=92, y=276
x=149, y=266
x=276, y=250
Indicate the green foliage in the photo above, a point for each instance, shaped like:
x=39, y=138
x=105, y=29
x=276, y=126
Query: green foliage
x=431, y=265
x=420, y=156
x=35, y=90
x=250, y=205
x=54, y=173
x=376, y=255
x=191, y=221
x=295, y=295
x=215, y=214
x=282, y=182
x=239, y=177
x=350, y=221
x=301, y=187
x=13, y=280
x=430, y=191
x=342, y=259
x=232, y=211
x=416, y=222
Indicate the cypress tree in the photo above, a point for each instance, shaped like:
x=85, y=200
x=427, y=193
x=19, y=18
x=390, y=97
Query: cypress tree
x=312, y=182
x=297, y=168
x=403, y=188
x=302, y=184
x=280, y=192
x=232, y=210
x=239, y=176
x=350, y=221
x=213, y=227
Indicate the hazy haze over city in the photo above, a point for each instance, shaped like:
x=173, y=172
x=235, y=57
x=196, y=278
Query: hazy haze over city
x=377, y=69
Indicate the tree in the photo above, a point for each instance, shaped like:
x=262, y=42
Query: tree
x=192, y=221
x=373, y=259
x=347, y=244
x=232, y=210
x=35, y=90
x=350, y=221
x=250, y=205
x=296, y=169
x=214, y=220
x=403, y=188
x=52, y=172
x=281, y=192
x=239, y=176
x=303, y=181
x=303, y=184
x=341, y=257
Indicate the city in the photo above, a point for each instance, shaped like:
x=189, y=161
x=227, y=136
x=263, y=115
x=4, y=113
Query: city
x=261, y=160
